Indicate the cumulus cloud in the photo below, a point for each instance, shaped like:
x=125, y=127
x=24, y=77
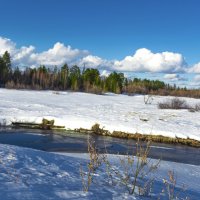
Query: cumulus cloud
x=105, y=73
x=6, y=45
x=145, y=61
x=91, y=61
x=58, y=55
x=171, y=76
x=195, y=82
x=197, y=78
x=195, y=69
x=27, y=56
x=19, y=56
x=174, y=77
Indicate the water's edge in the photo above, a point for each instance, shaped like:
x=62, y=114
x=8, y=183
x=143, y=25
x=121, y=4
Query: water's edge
x=95, y=129
x=55, y=141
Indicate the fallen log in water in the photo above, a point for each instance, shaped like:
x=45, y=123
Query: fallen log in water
x=45, y=125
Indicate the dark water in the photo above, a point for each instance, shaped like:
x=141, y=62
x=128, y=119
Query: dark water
x=48, y=141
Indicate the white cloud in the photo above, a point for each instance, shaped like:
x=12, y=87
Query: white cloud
x=171, y=76
x=105, y=73
x=6, y=45
x=145, y=61
x=21, y=57
x=195, y=82
x=195, y=69
x=197, y=78
x=91, y=61
x=27, y=56
x=174, y=77
x=58, y=55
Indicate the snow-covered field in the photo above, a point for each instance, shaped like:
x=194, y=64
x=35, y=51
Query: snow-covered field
x=111, y=111
x=32, y=174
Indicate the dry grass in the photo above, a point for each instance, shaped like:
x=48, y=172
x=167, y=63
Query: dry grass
x=170, y=184
x=174, y=103
x=96, y=160
x=142, y=137
x=132, y=172
x=177, y=103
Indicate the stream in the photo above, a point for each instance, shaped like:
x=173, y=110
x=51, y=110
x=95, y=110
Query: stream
x=77, y=143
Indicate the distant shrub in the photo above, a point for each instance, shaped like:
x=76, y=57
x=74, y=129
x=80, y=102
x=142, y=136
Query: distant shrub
x=56, y=92
x=174, y=103
x=94, y=90
x=96, y=128
x=148, y=99
x=197, y=107
x=99, y=131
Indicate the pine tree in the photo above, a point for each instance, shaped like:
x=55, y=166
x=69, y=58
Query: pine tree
x=64, y=76
x=5, y=68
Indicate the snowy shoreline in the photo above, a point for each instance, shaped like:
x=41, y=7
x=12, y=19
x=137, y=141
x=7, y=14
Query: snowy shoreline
x=113, y=112
x=33, y=174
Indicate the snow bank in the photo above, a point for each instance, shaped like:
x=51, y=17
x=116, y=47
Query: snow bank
x=32, y=174
x=113, y=112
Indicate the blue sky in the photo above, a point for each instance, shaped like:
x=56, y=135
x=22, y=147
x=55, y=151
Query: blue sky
x=109, y=29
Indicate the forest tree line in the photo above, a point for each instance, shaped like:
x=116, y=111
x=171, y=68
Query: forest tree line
x=85, y=79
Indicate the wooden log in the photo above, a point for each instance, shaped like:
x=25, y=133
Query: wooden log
x=45, y=125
